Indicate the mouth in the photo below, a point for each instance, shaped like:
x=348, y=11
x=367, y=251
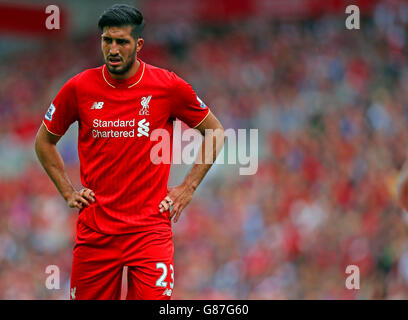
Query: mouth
x=114, y=61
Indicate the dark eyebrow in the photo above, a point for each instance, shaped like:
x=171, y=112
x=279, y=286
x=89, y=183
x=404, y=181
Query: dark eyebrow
x=119, y=40
x=122, y=40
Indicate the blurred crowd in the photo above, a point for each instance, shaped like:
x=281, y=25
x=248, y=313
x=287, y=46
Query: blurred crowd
x=331, y=107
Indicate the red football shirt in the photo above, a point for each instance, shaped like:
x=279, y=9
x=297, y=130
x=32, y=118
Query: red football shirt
x=115, y=120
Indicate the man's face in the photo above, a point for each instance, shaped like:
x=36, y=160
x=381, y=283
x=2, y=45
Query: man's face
x=119, y=49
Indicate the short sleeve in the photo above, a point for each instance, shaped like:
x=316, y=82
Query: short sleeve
x=186, y=105
x=62, y=111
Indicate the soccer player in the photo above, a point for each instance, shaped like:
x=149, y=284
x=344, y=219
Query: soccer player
x=125, y=207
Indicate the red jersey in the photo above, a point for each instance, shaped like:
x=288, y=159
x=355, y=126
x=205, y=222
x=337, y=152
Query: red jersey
x=115, y=120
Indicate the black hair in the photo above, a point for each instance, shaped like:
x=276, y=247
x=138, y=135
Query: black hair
x=122, y=15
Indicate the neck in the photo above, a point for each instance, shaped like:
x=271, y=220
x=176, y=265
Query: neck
x=130, y=73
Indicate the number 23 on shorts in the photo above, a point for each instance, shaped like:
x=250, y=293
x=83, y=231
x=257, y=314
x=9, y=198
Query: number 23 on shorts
x=160, y=282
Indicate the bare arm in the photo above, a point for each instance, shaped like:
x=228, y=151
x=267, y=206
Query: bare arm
x=53, y=164
x=179, y=197
x=214, y=138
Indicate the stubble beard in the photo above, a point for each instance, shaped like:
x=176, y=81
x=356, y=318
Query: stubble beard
x=123, y=69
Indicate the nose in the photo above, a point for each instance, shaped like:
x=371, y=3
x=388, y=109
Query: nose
x=114, y=49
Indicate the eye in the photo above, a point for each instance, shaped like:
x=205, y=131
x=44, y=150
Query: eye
x=122, y=41
x=107, y=40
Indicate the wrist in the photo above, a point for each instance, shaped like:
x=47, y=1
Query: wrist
x=67, y=194
x=190, y=186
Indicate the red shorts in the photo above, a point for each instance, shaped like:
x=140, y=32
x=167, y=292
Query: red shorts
x=99, y=259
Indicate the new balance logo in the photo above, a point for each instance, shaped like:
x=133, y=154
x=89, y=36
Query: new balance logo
x=167, y=292
x=144, y=111
x=97, y=105
x=143, y=129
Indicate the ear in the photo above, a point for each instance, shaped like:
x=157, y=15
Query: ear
x=139, y=44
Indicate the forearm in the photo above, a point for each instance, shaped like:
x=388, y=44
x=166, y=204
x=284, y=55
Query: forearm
x=210, y=148
x=53, y=164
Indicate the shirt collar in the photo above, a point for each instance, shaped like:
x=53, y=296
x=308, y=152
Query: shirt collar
x=129, y=82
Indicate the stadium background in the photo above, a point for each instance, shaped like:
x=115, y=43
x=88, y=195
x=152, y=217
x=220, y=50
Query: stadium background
x=331, y=108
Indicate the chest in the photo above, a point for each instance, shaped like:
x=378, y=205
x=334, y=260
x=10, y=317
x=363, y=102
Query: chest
x=123, y=107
